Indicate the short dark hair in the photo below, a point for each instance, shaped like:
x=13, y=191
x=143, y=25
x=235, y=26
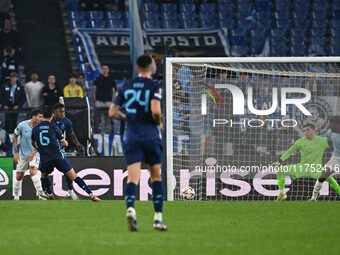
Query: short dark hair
x=58, y=105
x=144, y=61
x=47, y=112
x=81, y=74
x=335, y=119
x=73, y=76
x=36, y=111
x=312, y=126
x=34, y=72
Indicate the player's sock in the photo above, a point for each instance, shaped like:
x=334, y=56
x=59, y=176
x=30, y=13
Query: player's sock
x=334, y=184
x=83, y=185
x=316, y=190
x=46, y=185
x=17, y=187
x=281, y=182
x=36, y=182
x=157, y=196
x=130, y=194
x=69, y=183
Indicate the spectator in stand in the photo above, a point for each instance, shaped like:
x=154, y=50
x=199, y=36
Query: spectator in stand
x=92, y=5
x=5, y=142
x=103, y=93
x=51, y=92
x=12, y=97
x=115, y=5
x=9, y=63
x=9, y=37
x=81, y=83
x=73, y=90
x=33, y=90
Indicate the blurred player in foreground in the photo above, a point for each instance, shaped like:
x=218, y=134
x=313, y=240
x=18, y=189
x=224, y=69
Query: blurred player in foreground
x=65, y=125
x=312, y=148
x=333, y=165
x=27, y=157
x=48, y=140
x=142, y=99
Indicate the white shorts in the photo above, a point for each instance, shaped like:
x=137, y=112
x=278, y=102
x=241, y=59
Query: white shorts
x=24, y=164
x=334, y=164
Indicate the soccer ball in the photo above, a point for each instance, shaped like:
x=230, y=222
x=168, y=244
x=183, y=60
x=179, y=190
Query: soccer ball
x=188, y=193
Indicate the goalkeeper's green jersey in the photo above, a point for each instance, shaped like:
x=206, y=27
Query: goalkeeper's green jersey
x=311, y=150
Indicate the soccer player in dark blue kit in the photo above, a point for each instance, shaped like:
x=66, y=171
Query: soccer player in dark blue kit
x=48, y=140
x=65, y=125
x=141, y=98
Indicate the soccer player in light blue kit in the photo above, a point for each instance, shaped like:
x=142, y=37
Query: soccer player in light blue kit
x=333, y=165
x=27, y=157
x=141, y=98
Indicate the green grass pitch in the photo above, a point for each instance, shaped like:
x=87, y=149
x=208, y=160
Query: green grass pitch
x=82, y=227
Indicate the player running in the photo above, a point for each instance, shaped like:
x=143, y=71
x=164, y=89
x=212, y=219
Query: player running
x=333, y=165
x=65, y=125
x=141, y=98
x=48, y=140
x=312, y=148
x=27, y=158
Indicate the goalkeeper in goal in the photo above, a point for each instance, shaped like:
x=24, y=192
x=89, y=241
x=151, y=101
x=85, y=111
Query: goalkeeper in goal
x=312, y=148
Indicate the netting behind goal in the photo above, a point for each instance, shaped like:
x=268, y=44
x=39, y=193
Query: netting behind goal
x=224, y=141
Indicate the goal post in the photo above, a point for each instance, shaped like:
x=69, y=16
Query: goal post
x=228, y=119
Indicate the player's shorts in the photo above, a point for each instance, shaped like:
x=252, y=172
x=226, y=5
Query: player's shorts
x=25, y=164
x=149, y=151
x=47, y=167
x=296, y=171
x=334, y=164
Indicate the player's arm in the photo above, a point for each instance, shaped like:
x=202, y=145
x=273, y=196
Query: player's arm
x=115, y=112
x=34, y=144
x=75, y=141
x=156, y=111
x=288, y=153
x=330, y=144
x=60, y=137
x=16, y=157
x=64, y=143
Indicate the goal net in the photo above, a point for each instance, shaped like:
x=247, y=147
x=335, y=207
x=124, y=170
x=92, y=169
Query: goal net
x=229, y=119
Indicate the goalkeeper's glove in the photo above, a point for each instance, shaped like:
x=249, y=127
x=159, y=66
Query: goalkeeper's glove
x=277, y=163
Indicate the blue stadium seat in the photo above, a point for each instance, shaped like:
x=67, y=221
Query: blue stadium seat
x=244, y=23
x=335, y=50
x=263, y=20
x=187, y=8
x=226, y=20
x=334, y=32
x=335, y=23
x=257, y=39
x=78, y=24
x=152, y=24
x=335, y=5
x=148, y=1
x=320, y=5
x=169, y=8
x=278, y=49
x=239, y=37
x=246, y=2
x=301, y=14
x=224, y=7
x=282, y=23
x=113, y=15
x=317, y=46
x=95, y=15
x=301, y=23
x=225, y=1
x=319, y=23
x=319, y=15
x=282, y=15
x=97, y=23
x=334, y=40
x=278, y=35
x=77, y=15
x=208, y=8
x=168, y=15
x=170, y=23
x=335, y=14
x=240, y=51
x=282, y=5
x=150, y=7
x=298, y=50
x=115, y=23
x=297, y=32
x=151, y=15
x=263, y=5
x=205, y=23
x=244, y=7
x=188, y=23
x=302, y=5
